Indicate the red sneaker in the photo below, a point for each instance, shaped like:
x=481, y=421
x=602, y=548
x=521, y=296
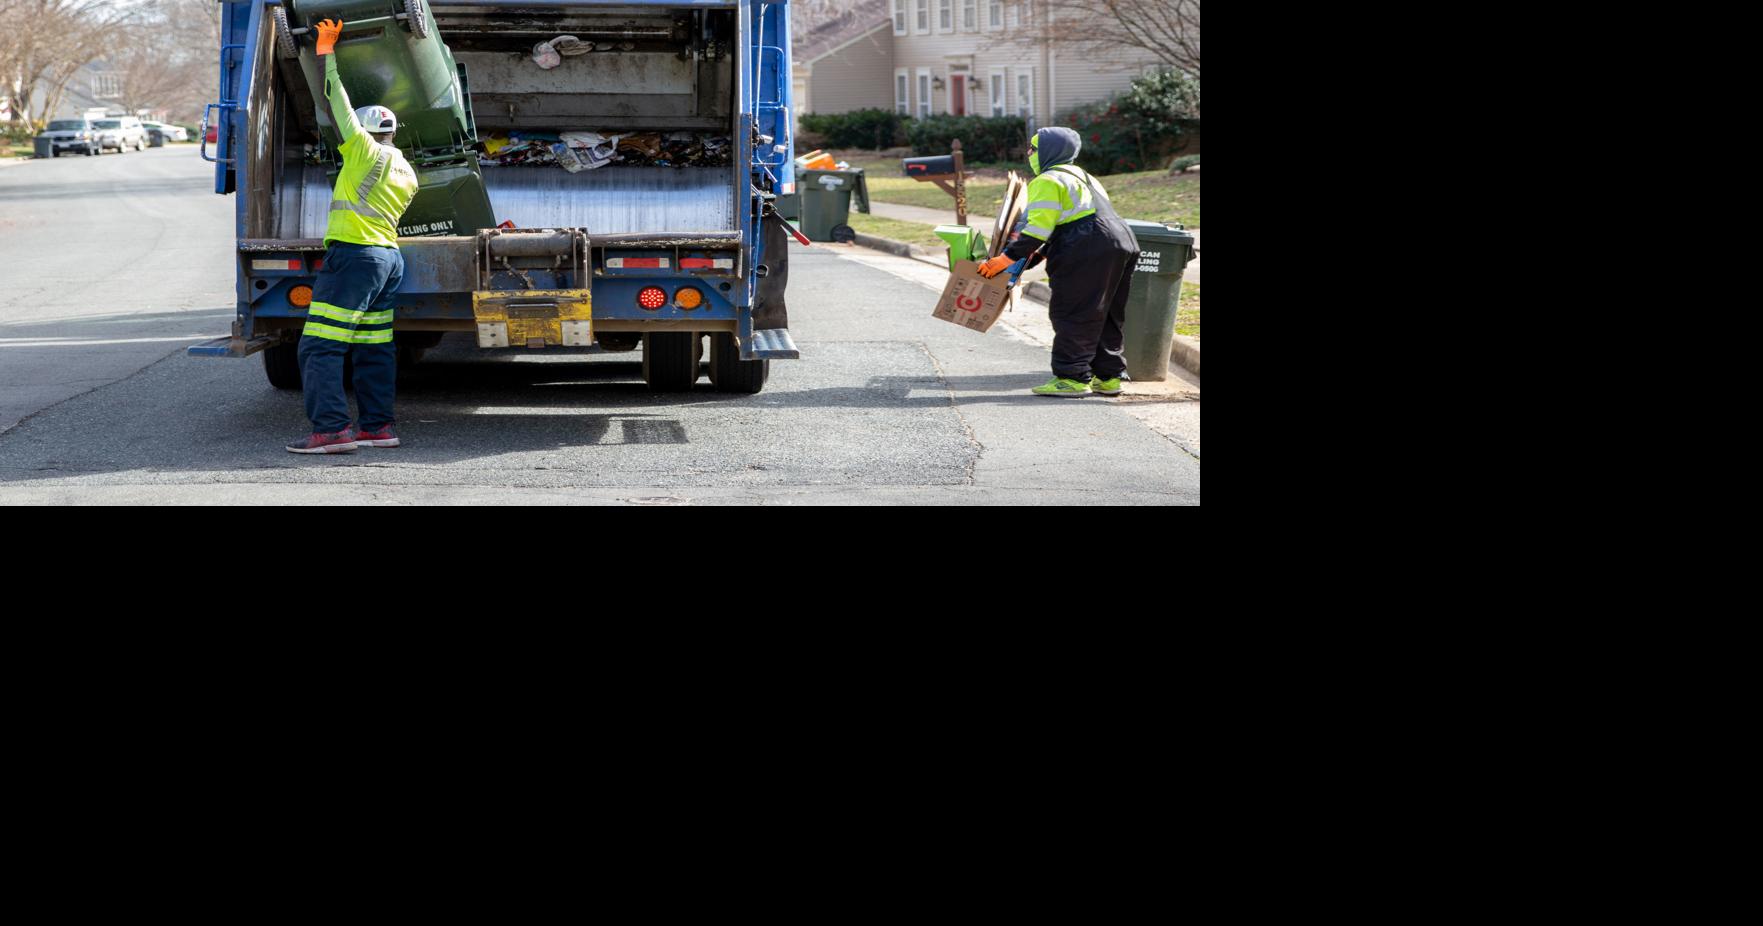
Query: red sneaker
x=380, y=438
x=339, y=442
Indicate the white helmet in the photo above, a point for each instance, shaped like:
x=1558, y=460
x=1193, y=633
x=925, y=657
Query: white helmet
x=377, y=120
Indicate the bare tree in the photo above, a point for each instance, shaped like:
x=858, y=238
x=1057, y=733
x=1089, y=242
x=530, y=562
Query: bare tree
x=165, y=60
x=49, y=41
x=1168, y=29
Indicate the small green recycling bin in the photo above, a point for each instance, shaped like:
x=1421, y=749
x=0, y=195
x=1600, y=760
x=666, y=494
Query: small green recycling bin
x=1164, y=252
x=826, y=200
x=965, y=243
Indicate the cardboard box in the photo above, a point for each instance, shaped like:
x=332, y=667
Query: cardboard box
x=972, y=301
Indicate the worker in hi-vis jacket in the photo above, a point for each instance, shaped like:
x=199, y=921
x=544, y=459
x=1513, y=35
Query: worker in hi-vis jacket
x=351, y=311
x=1090, y=255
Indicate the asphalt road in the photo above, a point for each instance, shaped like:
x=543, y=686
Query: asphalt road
x=110, y=266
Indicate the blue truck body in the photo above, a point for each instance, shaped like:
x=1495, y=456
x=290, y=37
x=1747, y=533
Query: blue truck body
x=732, y=72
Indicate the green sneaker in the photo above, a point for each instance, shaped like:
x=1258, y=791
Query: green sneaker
x=1102, y=386
x=1060, y=386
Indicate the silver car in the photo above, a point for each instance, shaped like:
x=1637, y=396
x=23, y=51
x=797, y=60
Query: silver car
x=121, y=133
x=67, y=135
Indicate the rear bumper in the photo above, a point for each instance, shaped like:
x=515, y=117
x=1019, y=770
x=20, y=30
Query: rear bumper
x=450, y=280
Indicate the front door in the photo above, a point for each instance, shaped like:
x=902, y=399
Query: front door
x=958, y=94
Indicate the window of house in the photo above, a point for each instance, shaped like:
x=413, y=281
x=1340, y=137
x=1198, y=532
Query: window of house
x=902, y=87
x=1028, y=12
x=994, y=14
x=1025, y=95
x=923, y=16
x=923, y=93
x=945, y=16
x=995, y=86
x=970, y=15
x=899, y=17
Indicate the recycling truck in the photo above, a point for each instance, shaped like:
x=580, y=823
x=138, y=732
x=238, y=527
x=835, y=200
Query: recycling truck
x=591, y=173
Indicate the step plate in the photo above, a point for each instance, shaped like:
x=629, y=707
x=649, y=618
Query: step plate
x=771, y=344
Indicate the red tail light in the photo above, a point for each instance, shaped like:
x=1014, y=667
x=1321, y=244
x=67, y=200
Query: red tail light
x=652, y=298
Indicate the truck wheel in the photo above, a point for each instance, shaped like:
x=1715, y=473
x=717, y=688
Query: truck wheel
x=729, y=373
x=284, y=36
x=670, y=360
x=418, y=23
x=281, y=363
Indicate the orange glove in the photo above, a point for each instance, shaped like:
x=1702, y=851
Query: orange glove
x=995, y=266
x=328, y=30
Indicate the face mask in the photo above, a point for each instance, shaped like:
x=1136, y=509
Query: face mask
x=1034, y=155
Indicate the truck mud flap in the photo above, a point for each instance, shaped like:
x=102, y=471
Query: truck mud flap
x=769, y=308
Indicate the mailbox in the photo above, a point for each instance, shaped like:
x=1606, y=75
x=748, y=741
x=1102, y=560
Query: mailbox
x=941, y=166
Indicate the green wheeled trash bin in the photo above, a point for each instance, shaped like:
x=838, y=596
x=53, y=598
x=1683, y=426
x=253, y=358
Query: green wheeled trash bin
x=44, y=147
x=826, y=202
x=1164, y=252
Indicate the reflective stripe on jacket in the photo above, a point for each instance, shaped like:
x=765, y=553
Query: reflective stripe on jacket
x=1059, y=196
x=376, y=184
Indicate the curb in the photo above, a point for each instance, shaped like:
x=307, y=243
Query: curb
x=1184, y=351
x=902, y=249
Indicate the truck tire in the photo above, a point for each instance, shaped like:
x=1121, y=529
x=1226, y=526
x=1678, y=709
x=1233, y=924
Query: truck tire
x=670, y=360
x=729, y=373
x=418, y=23
x=281, y=363
x=284, y=36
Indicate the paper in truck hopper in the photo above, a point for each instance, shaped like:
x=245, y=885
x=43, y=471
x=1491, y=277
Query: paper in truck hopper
x=971, y=300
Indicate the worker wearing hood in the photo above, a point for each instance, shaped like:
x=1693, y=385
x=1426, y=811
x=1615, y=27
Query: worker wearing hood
x=1090, y=254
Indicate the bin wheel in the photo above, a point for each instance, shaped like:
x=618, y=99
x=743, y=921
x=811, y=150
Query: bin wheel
x=670, y=360
x=729, y=373
x=417, y=23
x=284, y=36
x=844, y=234
x=281, y=362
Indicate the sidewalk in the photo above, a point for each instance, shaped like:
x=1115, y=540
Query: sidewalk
x=1184, y=352
x=939, y=217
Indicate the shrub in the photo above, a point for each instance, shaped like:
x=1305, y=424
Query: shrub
x=1140, y=128
x=983, y=138
x=864, y=128
x=1183, y=163
x=19, y=132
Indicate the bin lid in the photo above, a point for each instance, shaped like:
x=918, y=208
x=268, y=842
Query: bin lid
x=824, y=179
x=1159, y=233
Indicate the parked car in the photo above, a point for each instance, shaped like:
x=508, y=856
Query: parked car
x=71, y=135
x=121, y=133
x=159, y=133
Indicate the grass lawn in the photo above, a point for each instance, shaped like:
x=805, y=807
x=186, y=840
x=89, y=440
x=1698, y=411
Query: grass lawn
x=909, y=232
x=9, y=150
x=1151, y=195
x=1187, y=310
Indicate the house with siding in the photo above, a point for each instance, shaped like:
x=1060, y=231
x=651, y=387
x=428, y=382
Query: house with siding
x=964, y=58
x=844, y=64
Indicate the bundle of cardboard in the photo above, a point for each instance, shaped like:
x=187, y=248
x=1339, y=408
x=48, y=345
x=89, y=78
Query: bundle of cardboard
x=971, y=300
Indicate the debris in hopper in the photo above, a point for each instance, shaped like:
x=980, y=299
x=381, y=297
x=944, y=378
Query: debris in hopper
x=577, y=151
x=550, y=54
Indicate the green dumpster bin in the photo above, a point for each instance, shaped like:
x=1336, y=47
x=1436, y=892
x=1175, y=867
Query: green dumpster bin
x=1164, y=252
x=44, y=147
x=826, y=201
